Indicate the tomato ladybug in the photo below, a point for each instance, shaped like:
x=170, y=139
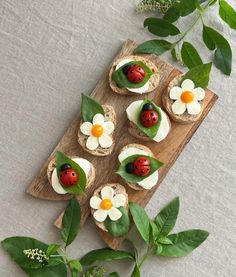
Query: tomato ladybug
x=135, y=73
x=148, y=116
x=68, y=176
x=141, y=166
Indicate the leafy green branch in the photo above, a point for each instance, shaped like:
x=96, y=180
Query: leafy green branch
x=39, y=259
x=182, y=50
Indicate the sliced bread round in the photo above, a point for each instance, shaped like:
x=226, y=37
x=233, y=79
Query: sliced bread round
x=109, y=115
x=167, y=102
x=118, y=188
x=153, y=81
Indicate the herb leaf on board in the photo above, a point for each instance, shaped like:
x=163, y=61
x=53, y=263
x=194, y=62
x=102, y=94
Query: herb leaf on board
x=90, y=107
x=190, y=55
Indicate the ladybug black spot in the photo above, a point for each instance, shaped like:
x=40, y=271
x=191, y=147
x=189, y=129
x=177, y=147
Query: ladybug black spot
x=73, y=174
x=66, y=172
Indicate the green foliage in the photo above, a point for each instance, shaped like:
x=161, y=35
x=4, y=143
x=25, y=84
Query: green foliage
x=188, y=55
x=71, y=222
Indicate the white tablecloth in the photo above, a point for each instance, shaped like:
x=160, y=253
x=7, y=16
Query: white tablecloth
x=52, y=51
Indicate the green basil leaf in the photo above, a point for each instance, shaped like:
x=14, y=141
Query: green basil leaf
x=119, y=227
x=199, y=75
x=79, y=187
x=190, y=55
x=105, y=254
x=223, y=53
x=136, y=272
x=160, y=27
x=154, y=230
x=114, y=274
x=173, y=54
x=15, y=247
x=131, y=177
x=52, y=249
x=71, y=222
x=158, y=249
x=227, y=13
x=152, y=131
x=165, y=240
x=89, y=108
x=183, y=243
x=167, y=217
x=155, y=46
x=121, y=79
x=141, y=221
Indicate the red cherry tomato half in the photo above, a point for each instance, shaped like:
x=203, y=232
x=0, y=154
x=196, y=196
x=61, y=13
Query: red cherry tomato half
x=135, y=74
x=141, y=166
x=68, y=177
x=149, y=118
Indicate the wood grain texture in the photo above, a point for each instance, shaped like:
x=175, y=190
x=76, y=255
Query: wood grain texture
x=166, y=151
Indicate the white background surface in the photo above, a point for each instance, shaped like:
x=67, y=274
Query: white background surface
x=50, y=52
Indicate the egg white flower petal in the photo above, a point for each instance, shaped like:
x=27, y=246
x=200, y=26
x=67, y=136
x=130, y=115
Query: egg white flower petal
x=178, y=107
x=98, y=119
x=108, y=127
x=86, y=128
x=105, y=141
x=118, y=200
x=188, y=85
x=194, y=108
x=100, y=215
x=175, y=93
x=114, y=214
x=56, y=183
x=92, y=143
x=107, y=193
x=199, y=93
x=150, y=181
x=95, y=202
x=140, y=90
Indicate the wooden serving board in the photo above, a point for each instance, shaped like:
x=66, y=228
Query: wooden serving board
x=166, y=151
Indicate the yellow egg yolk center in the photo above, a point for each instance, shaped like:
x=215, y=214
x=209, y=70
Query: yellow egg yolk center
x=106, y=204
x=187, y=97
x=97, y=130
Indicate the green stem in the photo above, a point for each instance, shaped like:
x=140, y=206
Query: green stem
x=146, y=256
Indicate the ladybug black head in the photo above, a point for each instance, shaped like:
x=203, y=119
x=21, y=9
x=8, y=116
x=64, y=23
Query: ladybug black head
x=65, y=166
x=147, y=107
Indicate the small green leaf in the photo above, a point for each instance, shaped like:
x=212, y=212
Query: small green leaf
x=75, y=267
x=15, y=247
x=190, y=55
x=180, y=8
x=89, y=108
x=121, y=79
x=52, y=249
x=119, y=227
x=155, y=46
x=166, y=218
x=71, y=221
x=158, y=249
x=141, y=221
x=154, y=230
x=172, y=14
x=228, y=14
x=223, y=52
x=165, y=240
x=131, y=177
x=183, y=243
x=114, y=274
x=79, y=187
x=160, y=27
x=173, y=54
x=105, y=254
x=136, y=272
x=199, y=75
